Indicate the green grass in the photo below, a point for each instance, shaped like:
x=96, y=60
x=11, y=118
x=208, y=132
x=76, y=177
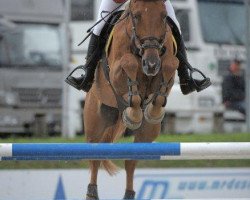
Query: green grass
x=237, y=137
x=232, y=137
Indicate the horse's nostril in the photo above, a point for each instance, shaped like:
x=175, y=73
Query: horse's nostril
x=151, y=64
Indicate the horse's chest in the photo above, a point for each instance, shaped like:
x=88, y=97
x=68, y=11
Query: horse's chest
x=148, y=85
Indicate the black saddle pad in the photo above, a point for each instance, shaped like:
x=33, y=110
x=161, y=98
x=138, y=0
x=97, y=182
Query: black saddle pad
x=109, y=27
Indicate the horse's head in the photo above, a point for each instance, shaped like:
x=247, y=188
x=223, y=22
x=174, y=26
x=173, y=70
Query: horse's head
x=148, y=19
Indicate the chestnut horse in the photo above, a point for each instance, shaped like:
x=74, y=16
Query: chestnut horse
x=132, y=82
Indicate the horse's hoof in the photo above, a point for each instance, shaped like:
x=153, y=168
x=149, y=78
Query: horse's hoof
x=92, y=193
x=129, y=194
x=129, y=123
x=153, y=120
x=91, y=198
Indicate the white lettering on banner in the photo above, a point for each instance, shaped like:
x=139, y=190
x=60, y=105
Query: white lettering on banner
x=215, y=185
x=149, y=184
x=210, y=183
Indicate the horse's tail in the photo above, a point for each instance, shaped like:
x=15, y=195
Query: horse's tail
x=111, y=134
x=110, y=167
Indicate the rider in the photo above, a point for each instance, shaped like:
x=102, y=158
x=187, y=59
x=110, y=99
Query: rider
x=84, y=82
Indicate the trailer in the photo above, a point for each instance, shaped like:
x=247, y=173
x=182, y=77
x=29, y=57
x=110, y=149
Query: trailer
x=32, y=61
x=212, y=42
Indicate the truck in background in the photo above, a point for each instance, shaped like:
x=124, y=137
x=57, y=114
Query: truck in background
x=32, y=43
x=213, y=40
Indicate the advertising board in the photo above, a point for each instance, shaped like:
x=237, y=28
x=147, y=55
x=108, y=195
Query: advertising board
x=149, y=184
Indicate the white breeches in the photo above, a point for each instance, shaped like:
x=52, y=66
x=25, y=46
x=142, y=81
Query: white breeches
x=171, y=14
x=110, y=5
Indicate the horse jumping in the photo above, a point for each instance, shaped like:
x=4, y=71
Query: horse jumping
x=132, y=82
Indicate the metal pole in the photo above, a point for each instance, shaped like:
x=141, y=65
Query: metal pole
x=247, y=74
x=66, y=50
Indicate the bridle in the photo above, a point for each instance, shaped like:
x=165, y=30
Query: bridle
x=139, y=45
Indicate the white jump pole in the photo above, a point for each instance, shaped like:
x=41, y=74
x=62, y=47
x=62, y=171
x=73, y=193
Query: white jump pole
x=125, y=151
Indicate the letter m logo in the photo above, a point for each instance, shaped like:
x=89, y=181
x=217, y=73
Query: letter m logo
x=153, y=190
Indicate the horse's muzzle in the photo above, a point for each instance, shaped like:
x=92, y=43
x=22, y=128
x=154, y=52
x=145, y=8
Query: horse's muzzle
x=151, y=65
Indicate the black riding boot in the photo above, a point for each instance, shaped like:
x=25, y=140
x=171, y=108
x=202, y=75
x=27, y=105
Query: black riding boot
x=187, y=83
x=85, y=81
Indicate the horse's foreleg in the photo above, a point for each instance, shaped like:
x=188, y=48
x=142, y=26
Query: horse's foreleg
x=126, y=70
x=132, y=116
x=155, y=111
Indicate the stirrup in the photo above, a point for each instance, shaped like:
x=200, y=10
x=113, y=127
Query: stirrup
x=82, y=86
x=205, y=82
x=78, y=67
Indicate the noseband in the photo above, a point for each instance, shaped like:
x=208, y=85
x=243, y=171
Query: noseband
x=139, y=45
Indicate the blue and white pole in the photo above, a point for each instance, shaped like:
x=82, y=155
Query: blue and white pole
x=124, y=151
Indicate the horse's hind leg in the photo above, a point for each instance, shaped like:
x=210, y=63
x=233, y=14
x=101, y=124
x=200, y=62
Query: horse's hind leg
x=100, y=126
x=92, y=191
x=109, y=135
x=147, y=133
x=130, y=168
x=94, y=125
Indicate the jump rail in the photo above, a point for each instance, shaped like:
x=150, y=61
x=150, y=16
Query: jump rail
x=124, y=151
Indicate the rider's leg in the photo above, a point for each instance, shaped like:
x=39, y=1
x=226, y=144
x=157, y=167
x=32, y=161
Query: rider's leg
x=187, y=83
x=84, y=82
